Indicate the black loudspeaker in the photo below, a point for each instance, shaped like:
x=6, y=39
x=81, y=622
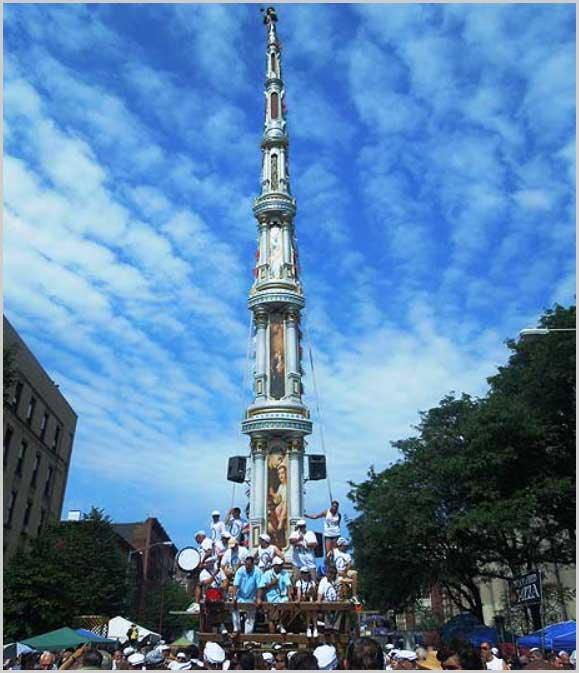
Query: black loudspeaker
x=236, y=469
x=319, y=550
x=316, y=467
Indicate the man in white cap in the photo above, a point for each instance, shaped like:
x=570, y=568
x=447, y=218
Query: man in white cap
x=269, y=660
x=232, y=560
x=274, y=587
x=343, y=562
x=128, y=651
x=311, y=542
x=214, y=656
x=301, y=526
x=328, y=593
x=217, y=526
x=326, y=657
x=266, y=552
x=244, y=590
x=234, y=523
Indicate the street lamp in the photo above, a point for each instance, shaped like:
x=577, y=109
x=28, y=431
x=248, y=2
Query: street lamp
x=167, y=543
x=540, y=331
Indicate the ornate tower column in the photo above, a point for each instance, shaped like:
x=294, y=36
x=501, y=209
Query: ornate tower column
x=277, y=420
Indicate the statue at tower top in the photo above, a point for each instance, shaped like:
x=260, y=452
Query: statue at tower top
x=269, y=15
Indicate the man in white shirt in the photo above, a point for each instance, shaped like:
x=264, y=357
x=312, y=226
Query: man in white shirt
x=234, y=523
x=217, y=526
x=343, y=562
x=490, y=661
x=266, y=553
x=328, y=593
x=232, y=559
x=205, y=549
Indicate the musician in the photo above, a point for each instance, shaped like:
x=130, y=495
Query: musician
x=232, y=560
x=347, y=577
x=266, y=553
x=305, y=590
x=244, y=590
x=274, y=586
x=204, y=545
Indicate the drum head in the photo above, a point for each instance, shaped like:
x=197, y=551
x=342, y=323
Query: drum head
x=188, y=559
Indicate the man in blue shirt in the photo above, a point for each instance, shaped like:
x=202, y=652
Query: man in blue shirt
x=274, y=586
x=244, y=590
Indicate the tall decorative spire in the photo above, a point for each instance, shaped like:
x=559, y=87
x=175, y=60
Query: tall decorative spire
x=277, y=420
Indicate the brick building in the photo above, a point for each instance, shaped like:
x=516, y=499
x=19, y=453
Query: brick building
x=149, y=540
x=39, y=426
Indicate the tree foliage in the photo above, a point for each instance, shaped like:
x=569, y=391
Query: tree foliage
x=484, y=489
x=161, y=601
x=71, y=569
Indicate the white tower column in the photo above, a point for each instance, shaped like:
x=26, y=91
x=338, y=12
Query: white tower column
x=260, y=353
x=296, y=462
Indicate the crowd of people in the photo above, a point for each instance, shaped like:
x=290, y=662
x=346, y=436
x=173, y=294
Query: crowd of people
x=271, y=575
x=361, y=654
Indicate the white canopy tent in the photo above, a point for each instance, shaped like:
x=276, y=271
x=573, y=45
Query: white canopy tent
x=118, y=627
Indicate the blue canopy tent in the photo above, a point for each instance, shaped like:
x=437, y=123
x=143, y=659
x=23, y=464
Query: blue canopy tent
x=95, y=638
x=561, y=636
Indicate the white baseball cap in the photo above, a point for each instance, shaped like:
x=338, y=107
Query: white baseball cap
x=326, y=657
x=136, y=659
x=214, y=653
x=301, y=522
x=277, y=561
x=215, y=512
x=200, y=532
x=268, y=656
x=265, y=537
x=128, y=651
x=409, y=655
x=181, y=655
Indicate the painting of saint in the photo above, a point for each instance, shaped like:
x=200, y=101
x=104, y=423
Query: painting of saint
x=277, y=356
x=277, y=494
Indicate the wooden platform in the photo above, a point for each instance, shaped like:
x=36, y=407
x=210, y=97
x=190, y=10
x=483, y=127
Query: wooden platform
x=266, y=638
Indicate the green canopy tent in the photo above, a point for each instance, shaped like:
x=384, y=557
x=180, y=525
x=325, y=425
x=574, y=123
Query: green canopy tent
x=183, y=641
x=56, y=640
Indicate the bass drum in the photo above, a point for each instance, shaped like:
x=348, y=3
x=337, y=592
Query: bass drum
x=188, y=559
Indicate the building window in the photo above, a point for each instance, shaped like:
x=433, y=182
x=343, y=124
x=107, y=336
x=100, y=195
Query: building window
x=48, y=484
x=10, y=509
x=41, y=521
x=21, y=457
x=17, y=395
x=56, y=438
x=8, y=434
x=43, y=425
x=274, y=105
x=35, y=470
x=27, y=512
x=30, y=410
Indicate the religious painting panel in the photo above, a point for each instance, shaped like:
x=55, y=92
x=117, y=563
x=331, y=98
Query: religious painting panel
x=277, y=497
x=277, y=356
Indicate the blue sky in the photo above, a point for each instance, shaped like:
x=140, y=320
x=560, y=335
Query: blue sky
x=433, y=161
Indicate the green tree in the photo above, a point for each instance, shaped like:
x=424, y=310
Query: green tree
x=160, y=602
x=71, y=569
x=485, y=489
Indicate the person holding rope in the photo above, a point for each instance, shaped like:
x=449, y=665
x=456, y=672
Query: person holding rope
x=332, y=521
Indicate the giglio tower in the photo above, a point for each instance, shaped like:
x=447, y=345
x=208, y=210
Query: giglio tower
x=277, y=419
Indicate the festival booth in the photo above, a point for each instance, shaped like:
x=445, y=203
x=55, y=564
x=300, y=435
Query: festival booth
x=562, y=636
x=118, y=626
x=95, y=638
x=60, y=639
